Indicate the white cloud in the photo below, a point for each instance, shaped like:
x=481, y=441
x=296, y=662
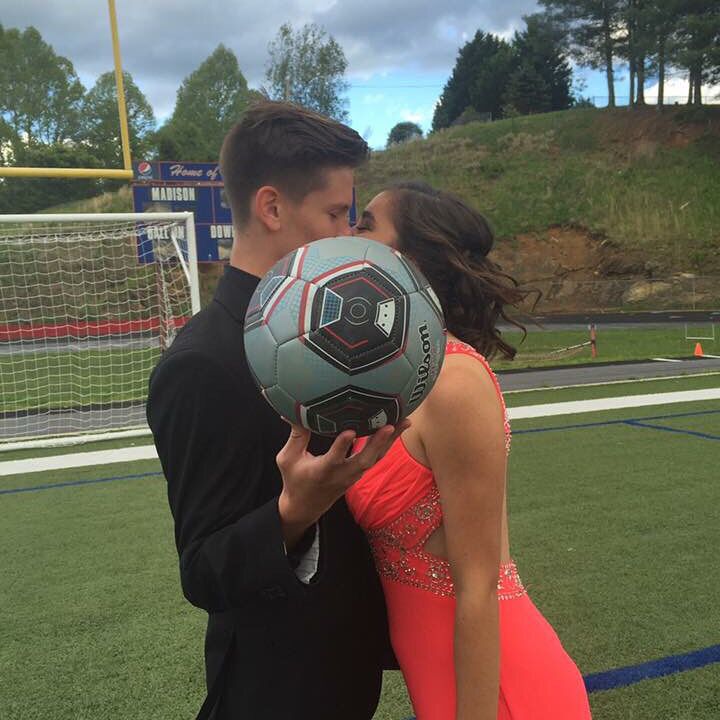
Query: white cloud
x=162, y=41
x=316, y=6
x=676, y=90
x=416, y=116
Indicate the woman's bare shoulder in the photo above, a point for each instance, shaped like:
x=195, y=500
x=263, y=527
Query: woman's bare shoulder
x=462, y=376
x=464, y=392
x=462, y=423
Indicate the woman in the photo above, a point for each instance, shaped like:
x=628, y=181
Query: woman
x=470, y=642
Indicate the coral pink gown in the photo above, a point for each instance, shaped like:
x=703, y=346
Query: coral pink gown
x=397, y=503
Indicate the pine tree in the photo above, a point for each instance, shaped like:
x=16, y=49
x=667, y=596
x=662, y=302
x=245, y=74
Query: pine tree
x=696, y=44
x=592, y=28
x=478, y=80
x=527, y=92
x=540, y=48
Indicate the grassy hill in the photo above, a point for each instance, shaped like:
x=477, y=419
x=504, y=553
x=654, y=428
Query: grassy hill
x=598, y=208
x=118, y=201
x=648, y=182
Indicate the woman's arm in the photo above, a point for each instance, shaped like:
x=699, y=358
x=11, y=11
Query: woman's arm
x=463, y=435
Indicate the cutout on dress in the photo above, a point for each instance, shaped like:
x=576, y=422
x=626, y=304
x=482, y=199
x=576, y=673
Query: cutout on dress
x=435, y=544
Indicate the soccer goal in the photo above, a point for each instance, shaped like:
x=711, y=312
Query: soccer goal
x=87, y=304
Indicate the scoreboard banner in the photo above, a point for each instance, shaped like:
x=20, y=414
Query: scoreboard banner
x=170, y=171
x=182, y=187
x=168, y=186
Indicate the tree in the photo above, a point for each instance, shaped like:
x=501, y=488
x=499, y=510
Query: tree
x=541, y=69
x=8, y=140
x=40, y=93
x=696, y=44
x=488, y=87
x=478, y=79
x=644, y=24
x=27, y=195
x=492, y=77
x=307, y=67
x=101, y=123
x=592, y=29
x=209, y=102
x=663, y=14
x=526, y=92
x=404, y=131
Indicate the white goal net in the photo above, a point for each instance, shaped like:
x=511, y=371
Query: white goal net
x=87, y=304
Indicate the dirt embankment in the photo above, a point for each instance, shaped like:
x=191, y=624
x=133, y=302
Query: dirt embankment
x=576, y=270
x=640, y=132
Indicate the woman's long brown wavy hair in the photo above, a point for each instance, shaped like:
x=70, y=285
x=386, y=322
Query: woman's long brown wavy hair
x=450, y=241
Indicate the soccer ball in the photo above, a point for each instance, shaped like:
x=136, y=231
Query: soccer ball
x=344, y=333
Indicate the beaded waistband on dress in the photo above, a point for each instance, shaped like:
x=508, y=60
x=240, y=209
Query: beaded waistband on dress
x=509, y=583
x=398, y=549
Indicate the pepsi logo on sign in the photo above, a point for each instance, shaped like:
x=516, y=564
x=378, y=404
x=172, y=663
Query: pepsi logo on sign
x=145, y=171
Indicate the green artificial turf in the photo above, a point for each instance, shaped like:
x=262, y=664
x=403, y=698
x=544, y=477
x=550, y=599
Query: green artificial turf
x=83, y=378
x=613, y=528
x=74, y=378
x=613, y=345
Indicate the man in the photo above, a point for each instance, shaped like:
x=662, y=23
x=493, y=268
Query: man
x=296, y=627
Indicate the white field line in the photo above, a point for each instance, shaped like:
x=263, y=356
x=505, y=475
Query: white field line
x=67, y=440
x=616, y=403
x=612, y=382
x=147, y=452
x=81, y=459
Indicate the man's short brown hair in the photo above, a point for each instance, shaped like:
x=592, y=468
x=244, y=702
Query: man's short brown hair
x=287, y=146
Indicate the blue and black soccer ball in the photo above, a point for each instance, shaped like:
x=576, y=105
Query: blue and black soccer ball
x=344, y=333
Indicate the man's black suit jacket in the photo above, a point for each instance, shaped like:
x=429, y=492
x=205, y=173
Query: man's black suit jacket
x=294, y=651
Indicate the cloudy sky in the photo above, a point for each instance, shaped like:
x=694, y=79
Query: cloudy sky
x=400, y=52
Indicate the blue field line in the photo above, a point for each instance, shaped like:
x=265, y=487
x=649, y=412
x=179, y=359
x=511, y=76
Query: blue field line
x=705, y=436
x=620, y=677
x=638, y=422
x=631, y=674
x=52, y=486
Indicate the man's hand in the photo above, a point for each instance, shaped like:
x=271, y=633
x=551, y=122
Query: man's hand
x=312, y=484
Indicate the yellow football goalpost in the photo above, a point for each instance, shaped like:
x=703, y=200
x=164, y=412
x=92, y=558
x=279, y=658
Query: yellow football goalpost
x=116, y=174
x=89, y=301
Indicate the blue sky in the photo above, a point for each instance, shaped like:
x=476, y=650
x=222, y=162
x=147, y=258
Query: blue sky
x=380, y=101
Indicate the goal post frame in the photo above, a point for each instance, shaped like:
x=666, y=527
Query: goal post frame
x=126, y=173
x=187, y=217
x=135, y=227
x=11, y=171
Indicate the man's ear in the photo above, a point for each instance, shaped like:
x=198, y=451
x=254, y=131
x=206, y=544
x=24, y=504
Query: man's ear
x=266, y=206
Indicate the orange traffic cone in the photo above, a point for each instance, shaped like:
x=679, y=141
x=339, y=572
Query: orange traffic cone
x=698, y=350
